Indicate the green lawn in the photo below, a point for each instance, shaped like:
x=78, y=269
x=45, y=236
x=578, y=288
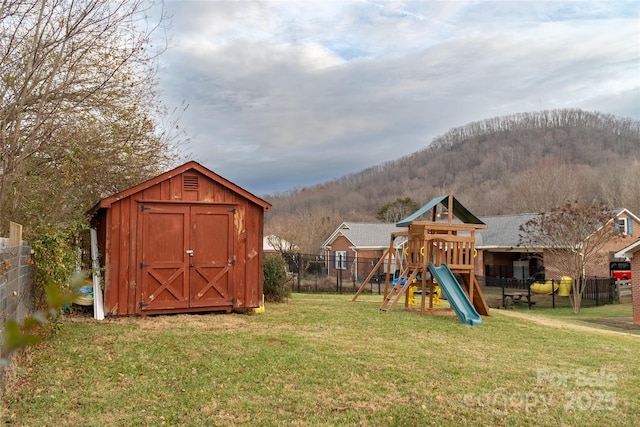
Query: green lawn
x=321, y=360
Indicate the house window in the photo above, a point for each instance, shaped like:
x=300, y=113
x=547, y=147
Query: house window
x=340, y=260
x=624, y=226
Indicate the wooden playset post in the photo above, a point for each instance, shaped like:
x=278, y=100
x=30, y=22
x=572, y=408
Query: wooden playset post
x=439, y=242
x=388, y=255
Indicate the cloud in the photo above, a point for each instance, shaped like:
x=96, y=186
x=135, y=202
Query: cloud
x=289, y=94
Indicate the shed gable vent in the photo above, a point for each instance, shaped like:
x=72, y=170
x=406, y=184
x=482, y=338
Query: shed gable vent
x=190, y=182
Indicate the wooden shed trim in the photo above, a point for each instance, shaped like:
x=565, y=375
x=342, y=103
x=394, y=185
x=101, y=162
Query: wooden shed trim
x=185, y=202
x=192, y=165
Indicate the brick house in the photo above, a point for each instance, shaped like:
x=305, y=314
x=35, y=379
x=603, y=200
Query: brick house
x=499, y=250
x=499, y=254
x=633, y=253
x=355, y=247
x=628, y=231
x=502, y=256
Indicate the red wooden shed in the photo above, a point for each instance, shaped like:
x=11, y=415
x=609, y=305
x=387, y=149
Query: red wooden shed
x=185, y=241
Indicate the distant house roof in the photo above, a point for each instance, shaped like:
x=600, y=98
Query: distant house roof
x=365, y=235
x=503, y=231
x=267, y=246
x=620, y=211
x=270, y=242
x=629, y=251
x=459, y=212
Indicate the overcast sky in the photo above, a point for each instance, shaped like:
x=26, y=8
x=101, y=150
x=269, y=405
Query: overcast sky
x=290, y=94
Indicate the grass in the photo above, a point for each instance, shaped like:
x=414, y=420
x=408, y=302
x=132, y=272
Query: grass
x=321, y=360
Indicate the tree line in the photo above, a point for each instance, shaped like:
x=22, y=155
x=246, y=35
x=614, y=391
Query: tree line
x=522, y=163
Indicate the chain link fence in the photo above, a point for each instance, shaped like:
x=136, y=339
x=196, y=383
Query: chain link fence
x=16, y=288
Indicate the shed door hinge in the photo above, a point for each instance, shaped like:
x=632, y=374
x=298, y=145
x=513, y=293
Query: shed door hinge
x=142, y=305
x=143, y=265
x=232, y=262
x=143, y=208
x=233, y=211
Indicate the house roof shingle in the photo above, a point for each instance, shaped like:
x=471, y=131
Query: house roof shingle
x=365, y=235
x=503, y=231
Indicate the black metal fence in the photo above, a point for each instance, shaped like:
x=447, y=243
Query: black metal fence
x=595, y=291
x=329, y=273
x=335, y=273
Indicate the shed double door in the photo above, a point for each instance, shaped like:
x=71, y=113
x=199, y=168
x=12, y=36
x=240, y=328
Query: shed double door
x=187, y=256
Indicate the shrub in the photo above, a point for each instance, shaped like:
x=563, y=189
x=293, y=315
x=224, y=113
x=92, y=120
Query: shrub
x=276, y=283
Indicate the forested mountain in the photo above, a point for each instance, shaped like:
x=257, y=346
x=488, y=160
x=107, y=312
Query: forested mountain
x=525, y=162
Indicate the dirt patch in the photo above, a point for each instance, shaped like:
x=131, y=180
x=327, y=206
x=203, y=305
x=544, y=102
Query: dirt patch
x=624, y=323
x=556, y=323
x=202, y=321
x=208, y=321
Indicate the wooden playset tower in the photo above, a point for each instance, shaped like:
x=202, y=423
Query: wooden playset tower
x=437, y=244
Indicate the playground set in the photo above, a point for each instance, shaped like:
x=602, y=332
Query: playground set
x=437, y=256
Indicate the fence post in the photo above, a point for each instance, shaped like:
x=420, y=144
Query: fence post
x=299, y=270
x=553, y=294
x=16, y=283
x=338, y=273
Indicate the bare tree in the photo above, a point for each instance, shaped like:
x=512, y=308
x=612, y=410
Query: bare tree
x=397, y=210
x=572, y=237
x=619, y=184
x=547, y=184
x=78, y=112
x=304, y=232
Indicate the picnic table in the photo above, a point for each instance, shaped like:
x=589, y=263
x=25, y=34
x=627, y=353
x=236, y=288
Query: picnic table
x=516, y=298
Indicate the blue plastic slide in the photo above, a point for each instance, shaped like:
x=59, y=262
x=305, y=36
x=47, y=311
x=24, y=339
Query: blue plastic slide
x=456, y=296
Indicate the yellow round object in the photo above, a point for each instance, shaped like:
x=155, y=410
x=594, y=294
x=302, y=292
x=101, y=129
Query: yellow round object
x=83, y=300
x=565, y=287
